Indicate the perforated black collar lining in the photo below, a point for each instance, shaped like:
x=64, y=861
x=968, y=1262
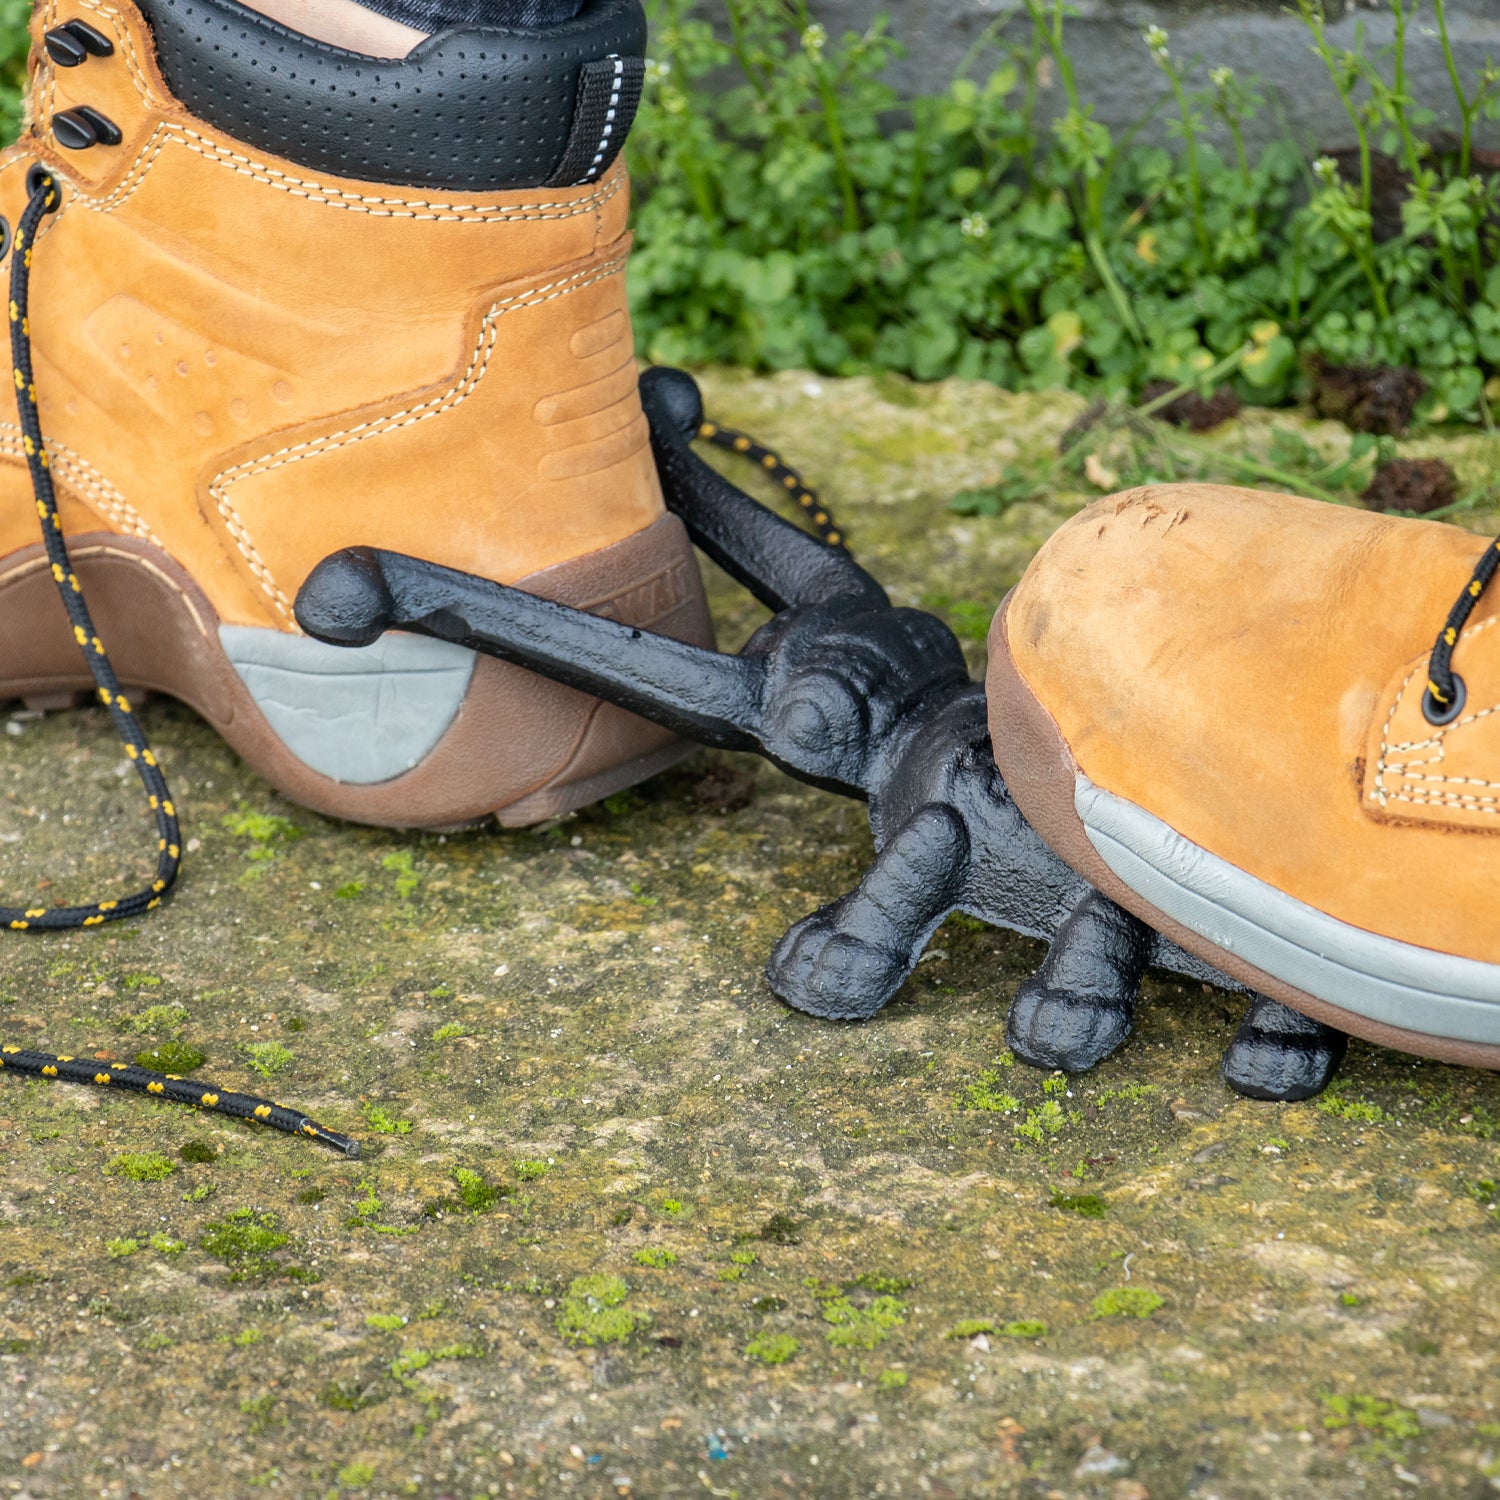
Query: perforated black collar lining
x=482, y=110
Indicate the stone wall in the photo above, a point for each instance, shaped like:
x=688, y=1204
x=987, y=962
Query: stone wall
x=1117, y=76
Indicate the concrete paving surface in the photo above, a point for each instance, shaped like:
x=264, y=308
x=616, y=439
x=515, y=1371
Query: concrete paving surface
x=625, y=1225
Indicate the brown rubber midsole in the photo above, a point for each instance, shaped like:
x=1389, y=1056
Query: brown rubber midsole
x=1040, y=771
x=519, y=747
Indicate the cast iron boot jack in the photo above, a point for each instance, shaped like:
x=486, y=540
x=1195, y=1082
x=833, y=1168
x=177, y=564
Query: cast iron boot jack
x=844, y=691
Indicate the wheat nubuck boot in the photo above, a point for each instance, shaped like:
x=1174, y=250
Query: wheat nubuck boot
x=294, y=299
x=1263, y=725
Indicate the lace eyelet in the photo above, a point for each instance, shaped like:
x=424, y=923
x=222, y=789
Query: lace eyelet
x=83, y=126
x=5, y=236
x=74, y=42
x=65, y=49
x=95, y=43
x=36, y=178
x=1436, y=714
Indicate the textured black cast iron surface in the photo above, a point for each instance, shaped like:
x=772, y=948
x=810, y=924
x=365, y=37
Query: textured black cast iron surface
x=842, y=690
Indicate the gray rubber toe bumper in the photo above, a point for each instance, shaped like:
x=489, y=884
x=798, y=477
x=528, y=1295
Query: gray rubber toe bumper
x=359, y=716
x=1372, y=976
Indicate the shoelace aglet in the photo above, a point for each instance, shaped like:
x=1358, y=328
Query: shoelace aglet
x=347, y=1145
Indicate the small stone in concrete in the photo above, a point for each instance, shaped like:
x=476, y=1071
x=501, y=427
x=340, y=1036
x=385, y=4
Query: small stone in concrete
x=1099, y=1463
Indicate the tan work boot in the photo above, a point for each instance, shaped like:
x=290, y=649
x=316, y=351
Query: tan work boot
x=1210, y=702
x=295, y=299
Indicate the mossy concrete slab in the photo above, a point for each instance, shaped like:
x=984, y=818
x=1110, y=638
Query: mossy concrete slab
x=626, y=1226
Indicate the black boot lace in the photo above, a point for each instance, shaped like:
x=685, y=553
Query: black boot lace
x=1444, y=699
x=734, y=441
x=42, y=199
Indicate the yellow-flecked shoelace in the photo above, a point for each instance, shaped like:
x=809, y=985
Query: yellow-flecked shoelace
x=43, y=198
x=1444, y=699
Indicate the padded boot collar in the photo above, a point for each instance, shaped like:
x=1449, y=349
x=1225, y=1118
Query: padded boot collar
x=479, y=110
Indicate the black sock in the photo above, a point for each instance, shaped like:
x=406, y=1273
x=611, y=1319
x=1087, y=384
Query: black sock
x=442, y=15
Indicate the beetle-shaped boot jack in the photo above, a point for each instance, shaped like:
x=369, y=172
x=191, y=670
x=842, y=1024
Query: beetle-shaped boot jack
x=849, y=693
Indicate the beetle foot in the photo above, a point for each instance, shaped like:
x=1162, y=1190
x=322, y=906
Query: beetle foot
x=830, y=973
x=1279, y=1054
x=1057, y=1028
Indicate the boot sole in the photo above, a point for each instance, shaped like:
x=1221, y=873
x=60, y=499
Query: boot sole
x=1392, y=993
x=411, y=733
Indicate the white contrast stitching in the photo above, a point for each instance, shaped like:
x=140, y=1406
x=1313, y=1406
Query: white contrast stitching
x=1402, y=771
x=1466, y=804
x=1380, y=793
x=127, y=45
x=76, y=471
x=50, y=107
x=1448, y=780
x=82, y=474
x=474, y=372
x=438, y=211
x=424, y=210
x=123, y=36
x=1427, y=744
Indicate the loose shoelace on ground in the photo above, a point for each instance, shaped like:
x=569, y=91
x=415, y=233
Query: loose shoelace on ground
x=42, y=199
x=174, y=1090
x=1444, y=699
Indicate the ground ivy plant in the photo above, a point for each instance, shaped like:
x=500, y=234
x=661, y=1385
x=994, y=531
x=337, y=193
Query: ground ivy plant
x=785, y=221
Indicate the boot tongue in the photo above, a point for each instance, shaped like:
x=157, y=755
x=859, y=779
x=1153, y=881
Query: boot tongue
x=472, y=110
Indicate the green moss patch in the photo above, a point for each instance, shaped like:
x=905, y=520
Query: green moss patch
x=1086, y=1205
x=141, y=1166
x=985, y=1093
x=246, y=1241
x=383, y=1122
x=1126, y=1302
x=970, y=1328
x=772, y=1348
x=655, y=1256
x=854, y=1327
x=1025, y=1328
x=1362, y=1111
x=181, y=1058
x=267, y=1058
x=1387, y=1419
x=593, y=1311
x=477, y=1195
